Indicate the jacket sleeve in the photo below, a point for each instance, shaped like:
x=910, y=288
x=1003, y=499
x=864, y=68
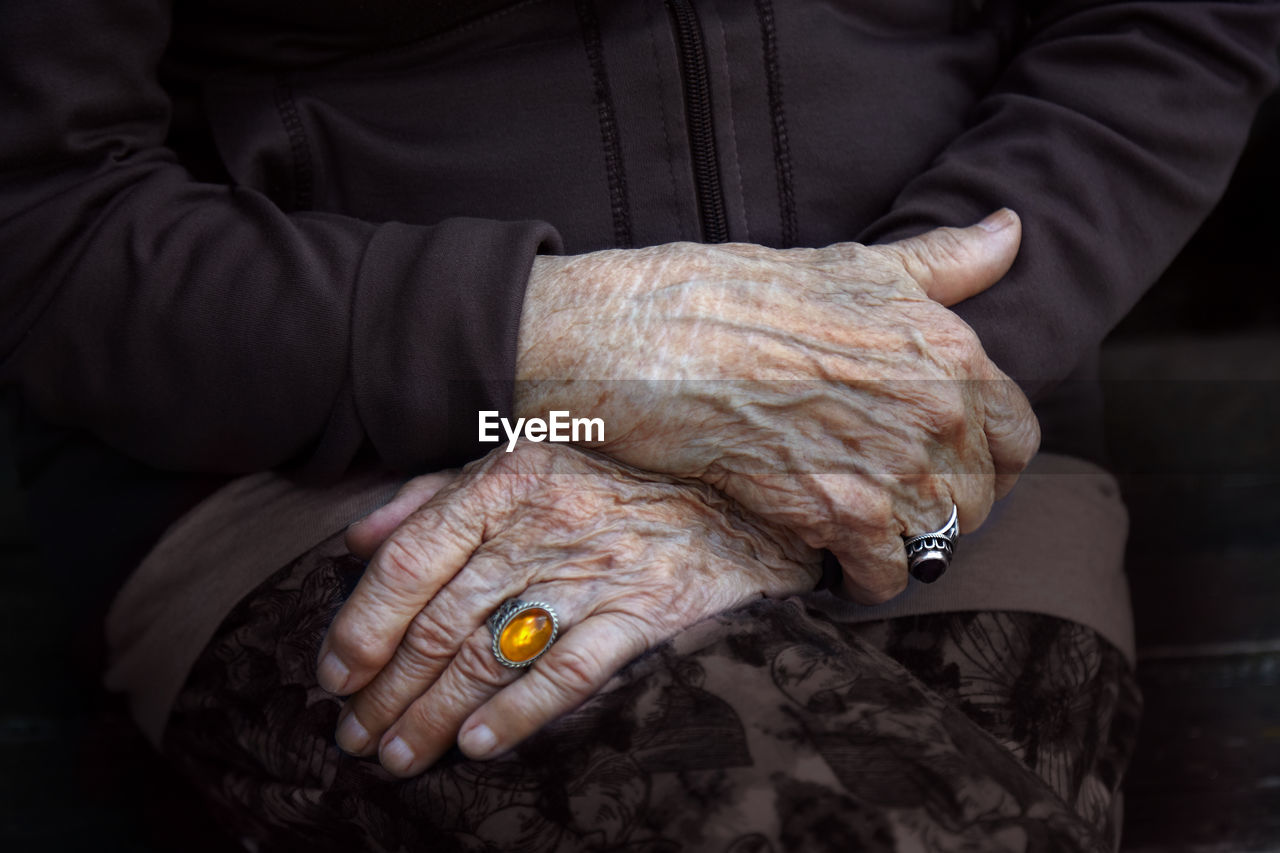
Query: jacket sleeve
x=1112, y=131
x=197, y=326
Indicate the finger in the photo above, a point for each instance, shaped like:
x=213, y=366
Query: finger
x=856, y=521
x=955, y=466
x=875, y=569
x=870, y=548
x=850, y=515
x=426, y=650
x=570, y=672
x=408, y=569
x=967, y=474
x=971, y=490
x=364, y=536
x=429, y=726
x=953, y=264
x=975, y=492
x=1011, y=427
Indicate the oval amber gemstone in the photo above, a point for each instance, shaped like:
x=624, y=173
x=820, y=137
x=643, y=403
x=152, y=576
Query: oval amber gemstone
x=525, y=636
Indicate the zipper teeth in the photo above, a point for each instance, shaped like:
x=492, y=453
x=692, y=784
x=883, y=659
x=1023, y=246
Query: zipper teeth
x=698, y=115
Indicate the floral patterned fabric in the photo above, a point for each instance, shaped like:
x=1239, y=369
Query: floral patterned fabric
x=770, y=728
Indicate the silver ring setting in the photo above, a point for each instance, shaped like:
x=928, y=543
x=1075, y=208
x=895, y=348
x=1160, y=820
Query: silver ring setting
x=929, y=554
x=522, y=631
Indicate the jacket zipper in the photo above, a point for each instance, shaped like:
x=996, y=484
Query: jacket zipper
x=698, y=117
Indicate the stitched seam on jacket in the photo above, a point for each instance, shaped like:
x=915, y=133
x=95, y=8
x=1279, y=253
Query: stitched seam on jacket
x=299, y=149
x=778, y=122
x=733, y=128
x=618, y=203
x=684, y=226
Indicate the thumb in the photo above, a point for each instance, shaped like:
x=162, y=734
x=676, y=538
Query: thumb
x=365, y=536
x=952, y=264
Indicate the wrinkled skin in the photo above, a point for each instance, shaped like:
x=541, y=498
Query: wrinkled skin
x=877, y=410
x=823, y=389
x=628, y=558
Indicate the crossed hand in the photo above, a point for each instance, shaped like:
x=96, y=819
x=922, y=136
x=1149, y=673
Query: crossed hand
x=788, y=400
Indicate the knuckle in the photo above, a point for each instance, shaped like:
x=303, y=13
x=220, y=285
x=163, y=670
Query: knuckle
x=927, y=494
x=947, y=413
x=880, y=267
x=379, y=704
x=836, y=258
x=909, y=257
x=422, y=723
x=575, y=674
x=427, y=645
x=526, y=453
x=649, y=606
x=359, y=643
x=400, y=563
x=876, y=513
x=509, y=476
x=957, y=344
x=970, y=352
x=1027, y=444
x=1033, y=437
x=817, y=257
x=845, y=513
x=635, y=628
x=941, y=247
x=475, y=665
x=1018, y=436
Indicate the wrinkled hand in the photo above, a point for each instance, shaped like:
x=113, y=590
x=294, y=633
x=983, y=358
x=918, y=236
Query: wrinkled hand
x=627, y=559
x=827, y=390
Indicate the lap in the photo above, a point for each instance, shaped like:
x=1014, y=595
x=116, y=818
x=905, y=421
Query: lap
x=772, y=727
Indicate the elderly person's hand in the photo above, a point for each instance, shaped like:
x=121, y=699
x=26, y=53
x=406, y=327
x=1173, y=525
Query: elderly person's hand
x=626, y=558
x=827, y=390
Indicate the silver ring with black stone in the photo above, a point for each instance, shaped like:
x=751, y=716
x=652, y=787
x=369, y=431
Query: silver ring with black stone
x=929, y=554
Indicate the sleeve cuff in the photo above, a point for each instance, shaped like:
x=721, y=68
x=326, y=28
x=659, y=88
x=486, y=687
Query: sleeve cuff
x=435, y=319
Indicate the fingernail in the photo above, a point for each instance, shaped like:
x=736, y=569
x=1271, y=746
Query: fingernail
x=332, y=673
x=351, y=736
x=477, y=741
x=396, y=756
x=997, y=221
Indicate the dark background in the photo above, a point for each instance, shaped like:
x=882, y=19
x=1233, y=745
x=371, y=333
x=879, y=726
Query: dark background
x=1192, y=382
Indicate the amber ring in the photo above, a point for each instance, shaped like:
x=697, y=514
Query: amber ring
x=522, y=631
